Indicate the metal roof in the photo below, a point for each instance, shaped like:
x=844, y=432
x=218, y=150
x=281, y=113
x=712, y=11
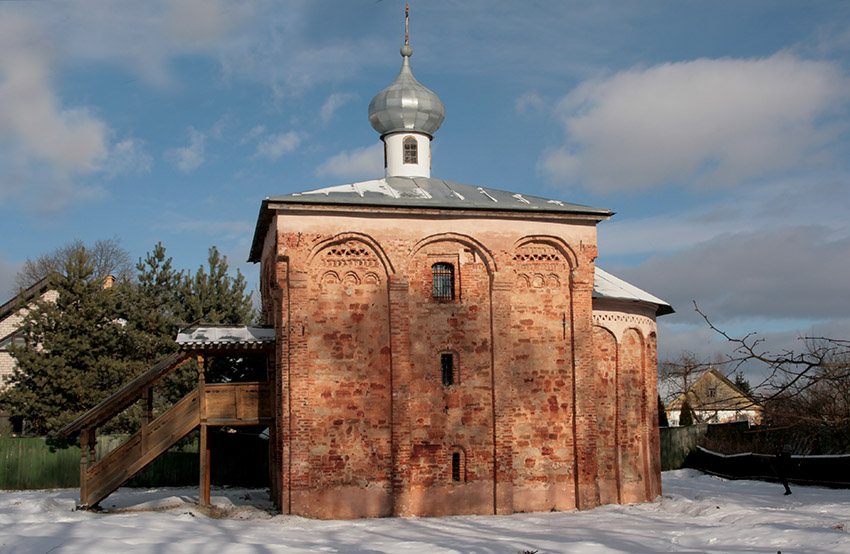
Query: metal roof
x=419, y=192
x=434, y=193
x=606, y=285
x=406, y=105
x=206, y=336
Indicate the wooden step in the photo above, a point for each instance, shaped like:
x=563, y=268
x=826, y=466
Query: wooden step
x=124, y=462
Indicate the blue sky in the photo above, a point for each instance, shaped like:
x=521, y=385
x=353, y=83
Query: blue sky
x=717, y=131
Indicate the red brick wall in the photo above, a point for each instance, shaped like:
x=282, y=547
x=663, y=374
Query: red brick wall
x=459, y=417
x=631, y=416
x=545, y=412
x=606, y=415
x=542, y=375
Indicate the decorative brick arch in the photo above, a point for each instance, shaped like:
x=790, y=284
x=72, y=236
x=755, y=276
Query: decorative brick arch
x=343, y=355
x=555, y=242
x=606, y=366
x=653, y=443
x=632, y=415
x=343, y=238
x=461, y=460
x=480, y=249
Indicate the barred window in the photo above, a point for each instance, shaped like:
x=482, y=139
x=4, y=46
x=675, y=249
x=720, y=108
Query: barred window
x=411, y=150
x=443, y=276
x=447, y=365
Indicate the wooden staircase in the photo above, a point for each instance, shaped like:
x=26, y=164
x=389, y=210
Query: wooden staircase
x=104, y=477
x=230, y=404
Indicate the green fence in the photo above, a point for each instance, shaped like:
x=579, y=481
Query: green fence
x=238, y=459
x=35, y=464
x=39, y=463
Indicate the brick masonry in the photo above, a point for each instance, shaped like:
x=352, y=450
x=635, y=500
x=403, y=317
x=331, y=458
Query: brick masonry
x=552, y=404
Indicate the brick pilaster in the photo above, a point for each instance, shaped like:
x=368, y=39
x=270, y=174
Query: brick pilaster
x=399, y=289
x=504, y=391
x=297, y=447
x=587, y=492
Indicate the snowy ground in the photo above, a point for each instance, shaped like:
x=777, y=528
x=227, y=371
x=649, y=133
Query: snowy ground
x=697, y=513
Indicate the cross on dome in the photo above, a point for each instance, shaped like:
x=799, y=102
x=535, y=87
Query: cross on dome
x=406, y=105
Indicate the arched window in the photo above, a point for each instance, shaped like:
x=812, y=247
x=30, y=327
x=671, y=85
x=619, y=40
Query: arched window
x=443, y=278
x=411, y=150
x=458, y=460
x=449, y=370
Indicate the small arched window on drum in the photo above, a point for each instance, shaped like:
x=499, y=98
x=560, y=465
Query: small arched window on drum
x=411, y=150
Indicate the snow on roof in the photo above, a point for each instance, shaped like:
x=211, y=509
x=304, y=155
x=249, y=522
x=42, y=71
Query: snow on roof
x=419, y=193
x=217, y=336
x=606, y=285
x=436, y=193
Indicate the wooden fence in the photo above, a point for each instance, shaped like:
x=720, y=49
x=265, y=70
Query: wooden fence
x=38, y=463
x=827, y=471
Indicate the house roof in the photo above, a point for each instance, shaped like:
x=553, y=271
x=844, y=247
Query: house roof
x=606, y=285
x=419, y=193
x=25, y=296
x=736, y=399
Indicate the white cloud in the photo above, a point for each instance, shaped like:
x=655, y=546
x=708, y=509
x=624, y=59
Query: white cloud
x=128, y=157
x=355, y=164
x=530, y=101
x=758, y=208
x=274, y=146
x=253, y=134
x=143, y=37
x=333, y=103
x=32, y=119
x=198, y=22
x=708, y=122
x=189, y=158
x=791, y=272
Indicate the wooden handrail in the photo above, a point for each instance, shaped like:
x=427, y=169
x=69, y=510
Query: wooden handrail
x=229, y=404
x=126, y=395
x=103, y=477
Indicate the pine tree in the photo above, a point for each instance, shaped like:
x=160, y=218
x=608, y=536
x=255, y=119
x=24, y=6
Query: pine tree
x=687, y=414
x=77, y=350
x=216, y=297
x=742, y=383
x=662, y=414
x=152, y=306
x=92, y=340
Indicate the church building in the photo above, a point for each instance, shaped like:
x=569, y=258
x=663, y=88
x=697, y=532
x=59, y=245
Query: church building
x=444, y=348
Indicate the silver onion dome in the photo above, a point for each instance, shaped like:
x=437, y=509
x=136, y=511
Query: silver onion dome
x=406, y=105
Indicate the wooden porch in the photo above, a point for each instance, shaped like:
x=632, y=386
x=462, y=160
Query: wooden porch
x=218, y=404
